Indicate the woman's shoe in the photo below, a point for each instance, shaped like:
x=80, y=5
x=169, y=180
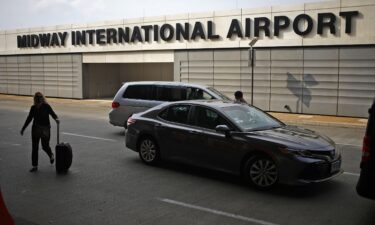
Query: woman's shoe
x=34, y=169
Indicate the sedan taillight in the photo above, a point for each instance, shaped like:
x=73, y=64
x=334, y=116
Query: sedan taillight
x=130, y=121
x=115, y=105
x=366, y=149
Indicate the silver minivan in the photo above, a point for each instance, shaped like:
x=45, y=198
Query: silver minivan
x=134, y=97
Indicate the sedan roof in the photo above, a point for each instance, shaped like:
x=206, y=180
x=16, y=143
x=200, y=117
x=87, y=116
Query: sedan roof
x=211, y=103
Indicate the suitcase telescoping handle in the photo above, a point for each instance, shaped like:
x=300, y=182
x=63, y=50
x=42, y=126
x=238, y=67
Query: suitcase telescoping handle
x=58, y=132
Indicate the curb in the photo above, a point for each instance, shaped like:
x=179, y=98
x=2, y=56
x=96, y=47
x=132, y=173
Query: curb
x=288, y=118
x=319, y=123
x=320, y=120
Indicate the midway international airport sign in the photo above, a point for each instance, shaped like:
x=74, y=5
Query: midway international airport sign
x=301, y=25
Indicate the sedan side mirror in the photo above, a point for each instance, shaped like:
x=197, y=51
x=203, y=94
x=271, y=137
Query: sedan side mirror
x=223, y=129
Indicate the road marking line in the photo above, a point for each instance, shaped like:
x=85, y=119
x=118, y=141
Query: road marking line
x=217, y=212
x=13, y=144
x=352, y=174
x=97, y=138
x=349, y=145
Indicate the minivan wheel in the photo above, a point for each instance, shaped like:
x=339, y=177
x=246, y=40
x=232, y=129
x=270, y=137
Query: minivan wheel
x=261, y=172
x=149, y=151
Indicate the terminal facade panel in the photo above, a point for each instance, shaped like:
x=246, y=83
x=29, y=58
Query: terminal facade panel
x=313, y=58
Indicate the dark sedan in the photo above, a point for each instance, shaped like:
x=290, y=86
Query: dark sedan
x=235, y=138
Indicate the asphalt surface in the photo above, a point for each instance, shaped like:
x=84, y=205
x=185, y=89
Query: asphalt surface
x=108, y=184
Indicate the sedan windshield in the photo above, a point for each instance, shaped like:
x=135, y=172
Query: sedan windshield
x=251, y=119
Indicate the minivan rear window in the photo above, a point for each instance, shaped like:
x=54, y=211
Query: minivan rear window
x=145, y=92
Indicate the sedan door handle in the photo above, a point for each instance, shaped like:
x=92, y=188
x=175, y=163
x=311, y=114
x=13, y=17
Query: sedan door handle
x=158, y=125
x=194, y=132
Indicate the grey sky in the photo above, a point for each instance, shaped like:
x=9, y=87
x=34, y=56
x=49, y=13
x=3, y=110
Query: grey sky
x=37, y=13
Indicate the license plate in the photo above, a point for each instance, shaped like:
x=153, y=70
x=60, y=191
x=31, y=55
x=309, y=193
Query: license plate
x=335, y=166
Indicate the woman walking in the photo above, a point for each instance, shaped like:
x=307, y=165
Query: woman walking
x=41, y=129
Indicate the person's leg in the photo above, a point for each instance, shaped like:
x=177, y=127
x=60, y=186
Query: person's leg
x=45, y=144
x=35, y=137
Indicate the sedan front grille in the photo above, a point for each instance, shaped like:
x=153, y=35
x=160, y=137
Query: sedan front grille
x=318, y=154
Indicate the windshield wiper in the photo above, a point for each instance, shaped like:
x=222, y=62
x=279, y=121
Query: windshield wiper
x=264, y=128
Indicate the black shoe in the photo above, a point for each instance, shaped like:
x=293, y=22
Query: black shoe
x=52, y=159
x=34, y=169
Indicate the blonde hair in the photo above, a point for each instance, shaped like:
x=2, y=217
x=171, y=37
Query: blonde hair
x=39, y=98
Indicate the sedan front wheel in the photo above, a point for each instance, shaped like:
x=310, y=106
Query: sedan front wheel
x=261, y=172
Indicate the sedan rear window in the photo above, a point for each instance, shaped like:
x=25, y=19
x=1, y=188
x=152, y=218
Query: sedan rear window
x=176, y=113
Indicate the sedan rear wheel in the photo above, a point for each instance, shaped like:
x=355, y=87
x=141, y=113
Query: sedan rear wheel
x=262, y=172
x=148, y=151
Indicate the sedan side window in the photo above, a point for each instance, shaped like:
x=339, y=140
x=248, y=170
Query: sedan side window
x=208, y=118
x=176, y=113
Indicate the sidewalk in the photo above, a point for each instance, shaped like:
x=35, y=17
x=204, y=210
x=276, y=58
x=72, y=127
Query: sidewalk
x=288, y=118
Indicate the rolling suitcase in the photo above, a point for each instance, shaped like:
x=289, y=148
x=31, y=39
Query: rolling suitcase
x=63, y=154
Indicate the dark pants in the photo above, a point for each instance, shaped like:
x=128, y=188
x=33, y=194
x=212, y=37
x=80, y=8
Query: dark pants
x=40, y=133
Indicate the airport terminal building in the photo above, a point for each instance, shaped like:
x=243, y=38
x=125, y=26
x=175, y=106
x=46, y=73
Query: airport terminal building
x=316, y=58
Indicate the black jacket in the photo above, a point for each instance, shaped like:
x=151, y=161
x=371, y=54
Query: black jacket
x=40, y=114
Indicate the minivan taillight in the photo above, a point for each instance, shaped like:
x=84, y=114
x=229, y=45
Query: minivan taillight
x=130, y=121
x=366, y=149
x=115, y=105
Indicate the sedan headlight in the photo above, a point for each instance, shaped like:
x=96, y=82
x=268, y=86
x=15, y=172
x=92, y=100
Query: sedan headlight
x=304, y=153
x=337, y=150
x=290, y=151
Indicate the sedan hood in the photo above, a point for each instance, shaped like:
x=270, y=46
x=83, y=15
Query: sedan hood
x=295, y=137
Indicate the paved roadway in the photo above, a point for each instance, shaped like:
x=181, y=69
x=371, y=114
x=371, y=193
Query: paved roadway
x=108, y=184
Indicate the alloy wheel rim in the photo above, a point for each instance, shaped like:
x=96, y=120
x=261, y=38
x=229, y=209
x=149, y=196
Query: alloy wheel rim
x=263, y=173
x=148, y=150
